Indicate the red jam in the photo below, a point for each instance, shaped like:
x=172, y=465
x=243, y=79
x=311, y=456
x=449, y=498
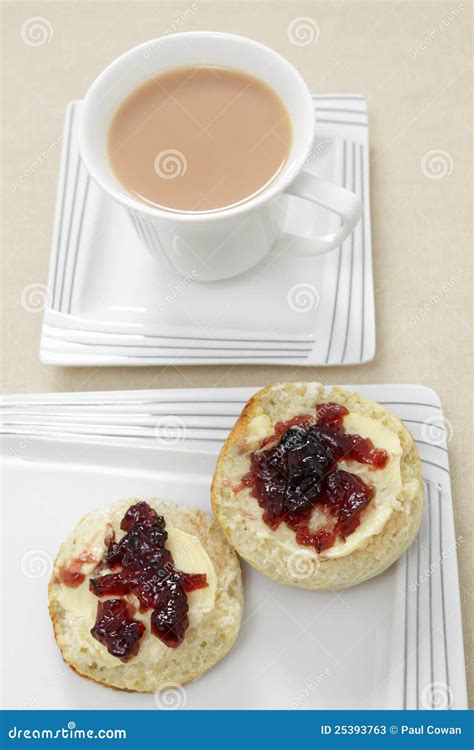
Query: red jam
x=71, y=574
x=296, y=469
x=116, y=629
x=142, y=566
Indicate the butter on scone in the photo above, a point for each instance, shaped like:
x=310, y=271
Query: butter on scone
x=316, y=489
x=145, y=593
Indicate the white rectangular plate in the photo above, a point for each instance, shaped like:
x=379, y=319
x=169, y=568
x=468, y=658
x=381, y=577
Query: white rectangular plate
x=392, y=642
x=109, y=303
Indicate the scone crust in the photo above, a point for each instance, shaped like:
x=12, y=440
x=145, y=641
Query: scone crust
x=203, y=646
x=280, y=401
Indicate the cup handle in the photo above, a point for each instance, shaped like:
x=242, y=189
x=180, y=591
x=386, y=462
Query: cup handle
x=346, y=204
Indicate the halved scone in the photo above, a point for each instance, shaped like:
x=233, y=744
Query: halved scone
x=145, y=594
x=317, y=489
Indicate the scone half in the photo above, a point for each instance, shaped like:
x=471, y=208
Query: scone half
x=197, y=546
x=387, y=525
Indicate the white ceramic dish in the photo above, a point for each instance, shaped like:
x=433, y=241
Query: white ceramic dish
x=393, y=642
x=110, y=304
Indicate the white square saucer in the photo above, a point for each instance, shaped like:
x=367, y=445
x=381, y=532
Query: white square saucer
x=111, y=304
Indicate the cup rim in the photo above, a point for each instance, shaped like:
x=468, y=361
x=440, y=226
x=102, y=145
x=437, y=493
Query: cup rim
x=276, y=186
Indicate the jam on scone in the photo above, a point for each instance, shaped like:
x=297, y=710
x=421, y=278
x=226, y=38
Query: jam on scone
x=296, y=469
x=142, y=567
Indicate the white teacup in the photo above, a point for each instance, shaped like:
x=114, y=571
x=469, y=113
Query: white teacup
x=213, y=244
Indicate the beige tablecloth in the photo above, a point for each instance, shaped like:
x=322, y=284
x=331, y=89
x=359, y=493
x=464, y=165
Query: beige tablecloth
x=412, y=60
